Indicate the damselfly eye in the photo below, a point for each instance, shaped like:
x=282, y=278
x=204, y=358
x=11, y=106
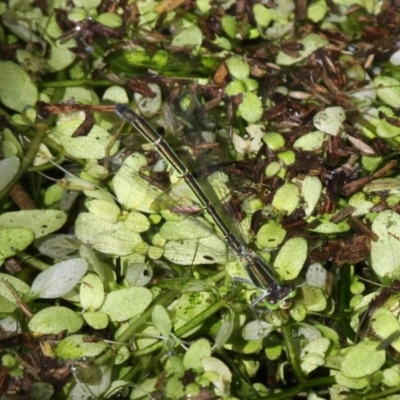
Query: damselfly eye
x=285, y=304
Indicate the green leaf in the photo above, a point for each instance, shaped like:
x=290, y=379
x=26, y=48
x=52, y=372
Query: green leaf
x=59, y=279
x=362, y=360
x=8, y=169
x=91, y=293
x=250, y=108
x=161, y=320
x=13, y=240
x=149, y=107
x=313, y=354
x=60, y=54
x=385, y=252
x=316, y=11
x=212, y=364
x=109, y=238
x=270, y=235
x=238, y=68
x=16, y=88
x=312, y=298
x=312, y=141
x=256, y=330
x=189, y=306
x=291, y=257
x=138, y=274
x=20, y=287
x=96, y=320
x=124, y=304
x=262, y=15
x=311, y=42
x=286, y=198
x=330, y=120
x=188, y=38
x=386, y=327
x=92, y=146
x=53, y=320
x=131, y=190
x=388, y=90
x=196, y=352
x=229, y=25
x=40, y=222
x=274, y=140
x=111, y=20
x=310, y=191
x=225, y=330
x=77, y=347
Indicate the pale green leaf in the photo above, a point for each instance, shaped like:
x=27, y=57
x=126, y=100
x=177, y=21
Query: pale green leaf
x=362, y=360
x=40, y=222
x=138, y=274
x=330, y=120
x=20, y=287
x=77, y=347
x=161, y=320
x=386, y=327
x=149, y=106
x=250, y=108
x=131, y=190
x=262, y=15
x=310, y=191
x=291, y=258
x=225, y=330
x=388, y=90
x=16, y=88
x=189, y=306
x=8, y=169
x=352, y=383
x=311, y=42
x=53, y=320
x=270, y=235
x=286, y=198
x=92, y=147
x=391, y=376
x=111, y=20
x=312, y=298
x=189, y=38
x=96, y=320
x=274, y=140
x=91, y=383
x=106, y=237
x=228, y=23
x=109, y=212
x=91, y=292
x=237, y=67
x=124, y=304
x=316, y=11
x=196, y=352
x=385, y=252
x=13, y=240
x=312, y=141
x=212, y=364
x=256, y=330
x=59, y=279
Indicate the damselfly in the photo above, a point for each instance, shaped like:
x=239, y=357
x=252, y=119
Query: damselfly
x=273, y=294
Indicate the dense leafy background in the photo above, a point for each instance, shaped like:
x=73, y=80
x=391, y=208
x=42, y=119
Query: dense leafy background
x=104, y=290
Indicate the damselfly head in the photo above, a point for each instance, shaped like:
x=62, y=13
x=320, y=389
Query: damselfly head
x=275, y=297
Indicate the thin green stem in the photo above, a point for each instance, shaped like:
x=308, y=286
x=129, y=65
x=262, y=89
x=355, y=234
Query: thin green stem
x=291, y=352
x=32, y=261
x=75, y=83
